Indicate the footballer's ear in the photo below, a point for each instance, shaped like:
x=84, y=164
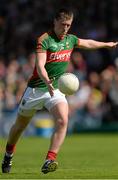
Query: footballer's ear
x=55, y=21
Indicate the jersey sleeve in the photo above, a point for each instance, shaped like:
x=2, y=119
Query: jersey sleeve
x=42, y=44
x=75, y=40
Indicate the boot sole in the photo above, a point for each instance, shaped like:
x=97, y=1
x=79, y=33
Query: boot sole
x=51, y=167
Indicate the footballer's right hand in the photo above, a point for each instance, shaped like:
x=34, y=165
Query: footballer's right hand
x=50, y=89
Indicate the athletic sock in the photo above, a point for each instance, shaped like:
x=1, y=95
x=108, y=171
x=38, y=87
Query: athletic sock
x=51, y=155
x=10, y=148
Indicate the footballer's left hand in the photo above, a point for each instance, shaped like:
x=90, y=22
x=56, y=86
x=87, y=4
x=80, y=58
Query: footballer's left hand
x=112, y=44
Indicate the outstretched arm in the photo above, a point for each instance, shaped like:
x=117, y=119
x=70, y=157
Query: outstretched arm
x=92, y=44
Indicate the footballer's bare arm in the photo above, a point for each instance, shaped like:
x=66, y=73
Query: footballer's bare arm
x=40, y=65
x=92, y=44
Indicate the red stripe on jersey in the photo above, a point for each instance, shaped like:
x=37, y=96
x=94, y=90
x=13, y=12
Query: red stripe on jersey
x=35, y=74
x=60, y=56
x=63, y=55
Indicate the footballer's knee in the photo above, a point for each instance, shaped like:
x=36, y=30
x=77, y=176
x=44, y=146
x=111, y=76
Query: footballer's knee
x=62, y=123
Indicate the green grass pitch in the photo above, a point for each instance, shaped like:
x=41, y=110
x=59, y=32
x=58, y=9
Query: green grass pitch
x=82, y=156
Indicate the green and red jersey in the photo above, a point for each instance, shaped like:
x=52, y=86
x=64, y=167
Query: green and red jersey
x=58, y=56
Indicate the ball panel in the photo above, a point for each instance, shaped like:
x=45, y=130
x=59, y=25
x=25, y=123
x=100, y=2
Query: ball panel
x=68, y=83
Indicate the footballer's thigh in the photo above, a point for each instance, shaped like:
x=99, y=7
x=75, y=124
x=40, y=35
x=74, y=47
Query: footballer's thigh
x=60, y=113
x=58, y=107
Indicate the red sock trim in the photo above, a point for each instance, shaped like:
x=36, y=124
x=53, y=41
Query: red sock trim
x=10, y=148
x=51, y=155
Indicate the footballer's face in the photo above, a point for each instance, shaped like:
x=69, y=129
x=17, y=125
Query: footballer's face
x=61, y=27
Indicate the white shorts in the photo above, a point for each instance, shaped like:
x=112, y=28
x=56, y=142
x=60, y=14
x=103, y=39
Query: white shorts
x=34, y=99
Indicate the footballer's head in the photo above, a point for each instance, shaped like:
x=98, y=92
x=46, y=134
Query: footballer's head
x=62, y=22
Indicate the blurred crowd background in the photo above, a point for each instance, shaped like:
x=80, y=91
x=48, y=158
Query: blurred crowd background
x=95, y=105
